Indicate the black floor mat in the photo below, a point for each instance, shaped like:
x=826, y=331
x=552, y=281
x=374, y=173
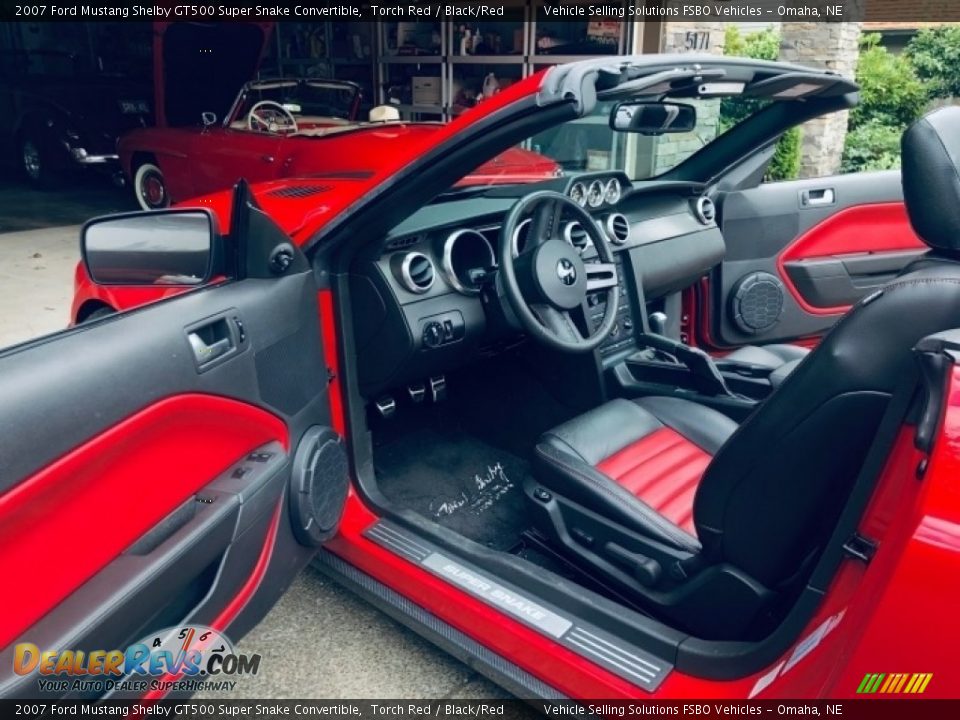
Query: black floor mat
x=457, y=481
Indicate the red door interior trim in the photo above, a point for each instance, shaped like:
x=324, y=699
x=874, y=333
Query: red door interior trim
x=871, y=228
x=86, y=508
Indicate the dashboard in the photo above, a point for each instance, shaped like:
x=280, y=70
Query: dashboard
x=429, y=299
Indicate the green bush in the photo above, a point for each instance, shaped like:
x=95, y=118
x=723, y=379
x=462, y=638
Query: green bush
x=763, y=45
x=786, y=158
x=890, y=91
x=891, y=97
x=872, y=146
x=935, y=55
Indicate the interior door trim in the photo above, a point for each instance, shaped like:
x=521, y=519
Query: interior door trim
x=149, y=463
x=240, y=600
x=867, y=228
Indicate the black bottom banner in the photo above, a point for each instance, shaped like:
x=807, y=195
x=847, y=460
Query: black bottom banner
x=208, y=710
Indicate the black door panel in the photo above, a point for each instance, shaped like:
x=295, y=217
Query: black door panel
x=73, y=390
x=751, y=302
x=840, y=280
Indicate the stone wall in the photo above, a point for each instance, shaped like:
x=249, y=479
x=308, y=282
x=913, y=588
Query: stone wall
x=834, y=46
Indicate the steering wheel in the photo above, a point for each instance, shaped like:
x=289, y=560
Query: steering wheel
x=548, y=280
x=272, y=116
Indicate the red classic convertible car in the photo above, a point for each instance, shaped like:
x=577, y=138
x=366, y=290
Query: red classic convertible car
x=653, y=432
x=213, y=128
x=286, y=128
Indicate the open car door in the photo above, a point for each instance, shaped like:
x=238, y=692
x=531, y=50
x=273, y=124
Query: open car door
x=801, y=253
x=168, y=467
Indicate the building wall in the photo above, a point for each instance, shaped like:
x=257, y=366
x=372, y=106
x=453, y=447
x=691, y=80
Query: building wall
x=834, y=46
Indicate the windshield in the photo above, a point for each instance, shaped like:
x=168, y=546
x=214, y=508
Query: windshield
x=312, y=103
x=588, y=143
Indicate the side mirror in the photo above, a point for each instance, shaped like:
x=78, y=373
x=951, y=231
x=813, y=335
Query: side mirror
x=653, y=118
x=160, y=247
x=208, y=119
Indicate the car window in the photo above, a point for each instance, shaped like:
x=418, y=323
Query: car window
x=309, y=102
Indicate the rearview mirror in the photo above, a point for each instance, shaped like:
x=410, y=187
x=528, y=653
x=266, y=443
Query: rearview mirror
x=208, y=119
x=653, y=118
x=162, y=247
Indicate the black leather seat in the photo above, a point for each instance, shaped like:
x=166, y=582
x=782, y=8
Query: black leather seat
x=713, y=525
x=781, y=360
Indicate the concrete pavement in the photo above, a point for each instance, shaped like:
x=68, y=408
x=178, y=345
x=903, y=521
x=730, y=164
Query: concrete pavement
x=36, y=282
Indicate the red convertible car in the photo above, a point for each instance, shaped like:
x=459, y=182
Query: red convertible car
x=655, y=432
x=286, y=128
x=213, y=128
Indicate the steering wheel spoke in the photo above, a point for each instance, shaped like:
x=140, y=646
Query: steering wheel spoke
x=601, y=276
x=559, y=322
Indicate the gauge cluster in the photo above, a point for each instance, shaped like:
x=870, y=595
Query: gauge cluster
x=596, y=192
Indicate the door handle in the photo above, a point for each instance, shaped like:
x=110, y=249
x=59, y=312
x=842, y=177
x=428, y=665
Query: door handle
x=819, y=197
x=215, y=339
x=205, y=353
x=267, y=158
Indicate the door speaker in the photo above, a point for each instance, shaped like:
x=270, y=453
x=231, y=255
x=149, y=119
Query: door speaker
x=320, y=481
x=756, y=302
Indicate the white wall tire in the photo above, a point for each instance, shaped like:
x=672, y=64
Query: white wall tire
x=150, y=188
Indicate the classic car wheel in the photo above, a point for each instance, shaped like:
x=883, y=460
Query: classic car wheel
x=150, y=188
x=36, y=162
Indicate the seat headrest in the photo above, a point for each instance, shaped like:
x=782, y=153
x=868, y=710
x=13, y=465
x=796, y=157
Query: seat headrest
x=931, y=178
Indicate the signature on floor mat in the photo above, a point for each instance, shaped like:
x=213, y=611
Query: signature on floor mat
x=489, y=486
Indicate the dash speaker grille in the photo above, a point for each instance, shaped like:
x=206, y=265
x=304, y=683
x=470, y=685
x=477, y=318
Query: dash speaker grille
x=756, y=302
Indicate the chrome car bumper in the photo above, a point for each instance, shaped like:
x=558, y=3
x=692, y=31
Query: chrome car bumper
x=81, y=157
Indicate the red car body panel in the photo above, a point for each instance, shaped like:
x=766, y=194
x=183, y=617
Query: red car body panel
x=77, y=496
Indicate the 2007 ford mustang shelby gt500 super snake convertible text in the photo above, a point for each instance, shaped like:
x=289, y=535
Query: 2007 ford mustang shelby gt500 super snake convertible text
x=656, y=432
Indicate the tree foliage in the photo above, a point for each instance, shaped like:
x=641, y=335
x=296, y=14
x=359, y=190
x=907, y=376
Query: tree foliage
x=890, y=91
x=935, y=55
x=891, y=97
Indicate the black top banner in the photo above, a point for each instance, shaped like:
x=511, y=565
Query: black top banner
x=200, y=709
x=762, y=11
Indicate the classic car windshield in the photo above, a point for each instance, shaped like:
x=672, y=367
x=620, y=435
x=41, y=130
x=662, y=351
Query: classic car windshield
x=309, y=101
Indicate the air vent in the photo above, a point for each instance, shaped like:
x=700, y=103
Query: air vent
x=298, y=191
x=705, y=210
x=618, y=228
x=415, y=271
x=574, y=233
